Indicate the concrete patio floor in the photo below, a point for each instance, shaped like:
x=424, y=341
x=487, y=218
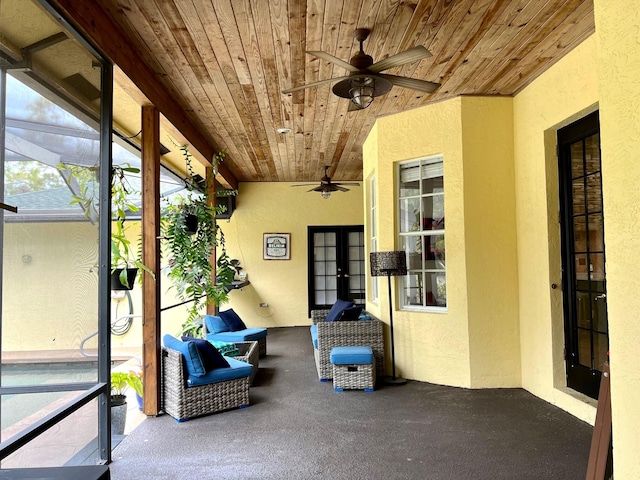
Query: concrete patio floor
x=299, y=428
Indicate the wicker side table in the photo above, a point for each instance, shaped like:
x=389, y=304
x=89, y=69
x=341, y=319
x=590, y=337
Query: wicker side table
x=249, y=353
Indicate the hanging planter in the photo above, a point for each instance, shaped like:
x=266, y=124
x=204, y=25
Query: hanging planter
x=191, y=223
x=123, y=278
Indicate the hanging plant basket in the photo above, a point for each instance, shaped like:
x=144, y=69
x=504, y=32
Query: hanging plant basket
x=191, y=223
x=117, y=284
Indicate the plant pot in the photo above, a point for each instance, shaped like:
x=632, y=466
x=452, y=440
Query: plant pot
x=118, y=414
x=140, y=402
x=191, y=223
x=116, y=284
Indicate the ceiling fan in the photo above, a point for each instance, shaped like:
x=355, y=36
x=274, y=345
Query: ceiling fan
x=326, y=186
x=365, y=82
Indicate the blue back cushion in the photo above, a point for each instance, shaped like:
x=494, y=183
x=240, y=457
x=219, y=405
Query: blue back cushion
x=211, y=357
x=189, y=351
x=336, y=310
x=351, y=313
x=233, y=321
x=215, y=324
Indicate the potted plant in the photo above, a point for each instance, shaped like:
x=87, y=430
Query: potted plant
x=125, y=259
x=118, y=402
x=188, y=255
x=134, y=381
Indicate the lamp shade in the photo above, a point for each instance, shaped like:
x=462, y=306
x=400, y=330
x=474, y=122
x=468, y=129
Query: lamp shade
x=391, y=264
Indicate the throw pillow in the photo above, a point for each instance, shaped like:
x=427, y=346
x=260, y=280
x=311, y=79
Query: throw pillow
x=189, y=351
x=351, y=313
x=336, y=310
x=215, y=324
x=211, y=357
x=233, y=321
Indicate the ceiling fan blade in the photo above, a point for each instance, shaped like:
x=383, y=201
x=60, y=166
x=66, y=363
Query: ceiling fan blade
x=413, y=83
x=336, y=60
x=304, y=185
x=336, y=187
x=412, y=55
x=355, y=184
x=313, y=84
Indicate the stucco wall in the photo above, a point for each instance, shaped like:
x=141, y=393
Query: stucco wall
x=281, y=284
x=617, y=31
x=474, y=342
x=562, y=94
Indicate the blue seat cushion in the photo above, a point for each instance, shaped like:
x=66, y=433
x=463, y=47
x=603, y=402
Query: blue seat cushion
x=246, y=335
x=351, y=355
x=233, y=321
x=237, y=369
x=189, y=351
x=215, y=324
x=314, y=335
x=209, y=354
x=336, y=310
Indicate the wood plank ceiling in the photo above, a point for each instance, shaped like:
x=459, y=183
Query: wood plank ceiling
x=227, y=61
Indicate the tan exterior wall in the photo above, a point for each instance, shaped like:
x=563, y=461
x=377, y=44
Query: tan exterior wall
x=474, y=342
x=281, y=284
x=617, y=27
x=561, y=95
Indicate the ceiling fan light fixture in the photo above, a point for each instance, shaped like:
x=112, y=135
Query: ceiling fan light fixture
x=326, y=194
x=362, y=91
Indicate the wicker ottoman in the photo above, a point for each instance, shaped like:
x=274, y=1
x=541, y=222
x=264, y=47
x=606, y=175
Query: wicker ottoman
x=353, y=368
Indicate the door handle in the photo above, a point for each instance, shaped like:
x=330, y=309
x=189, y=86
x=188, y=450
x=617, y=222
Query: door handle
x=601, y=296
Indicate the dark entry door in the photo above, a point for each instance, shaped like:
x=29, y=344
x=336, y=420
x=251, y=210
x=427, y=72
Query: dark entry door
x=336, y=265
x=584, y=276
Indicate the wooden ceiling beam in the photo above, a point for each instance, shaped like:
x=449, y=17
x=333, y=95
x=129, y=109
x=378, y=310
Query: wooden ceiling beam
x=109, y=38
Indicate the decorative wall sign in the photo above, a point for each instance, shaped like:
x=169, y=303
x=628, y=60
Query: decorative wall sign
x=276, y=246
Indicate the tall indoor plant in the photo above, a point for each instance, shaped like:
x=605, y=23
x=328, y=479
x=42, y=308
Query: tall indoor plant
x=188, y=253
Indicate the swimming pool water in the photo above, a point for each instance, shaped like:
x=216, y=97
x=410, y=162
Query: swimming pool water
x=14, y=408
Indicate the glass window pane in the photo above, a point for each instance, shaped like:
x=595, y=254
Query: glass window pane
x=594, y=189
x=409, y=179
x=410, y=215
x=578, y=197
x=413, y=290
x=582, y=268
x=592, y=153
x=597, y=267
x=434, y=252
x=579, y=234
x=433, y=185
x=584, y=348
x=600, y=349
x=577, y=166
x=330, y=254
x=583, y=309
x=436, y=289
x=596, y=233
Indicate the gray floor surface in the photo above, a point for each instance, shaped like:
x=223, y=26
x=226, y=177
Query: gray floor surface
x=299, y=428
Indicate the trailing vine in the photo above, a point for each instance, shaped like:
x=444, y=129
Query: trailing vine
x=189, y=268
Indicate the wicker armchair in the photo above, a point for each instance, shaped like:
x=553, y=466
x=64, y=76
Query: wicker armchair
x=343, y=334
x=183, y=403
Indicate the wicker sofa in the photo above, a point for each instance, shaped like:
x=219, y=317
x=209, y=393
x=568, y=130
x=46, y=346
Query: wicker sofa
x=342, y=334
x=184, y=402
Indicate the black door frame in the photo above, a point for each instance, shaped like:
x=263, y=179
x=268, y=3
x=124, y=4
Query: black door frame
x=343, y=276
x=579, y=377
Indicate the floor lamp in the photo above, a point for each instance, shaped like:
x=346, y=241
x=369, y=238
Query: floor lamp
x=390, y=264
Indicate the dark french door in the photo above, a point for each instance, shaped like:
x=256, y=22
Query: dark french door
x=336, y=265
x=583, y=252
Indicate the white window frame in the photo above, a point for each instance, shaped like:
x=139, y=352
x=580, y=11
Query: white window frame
x=422, y=237
x=373, y=231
